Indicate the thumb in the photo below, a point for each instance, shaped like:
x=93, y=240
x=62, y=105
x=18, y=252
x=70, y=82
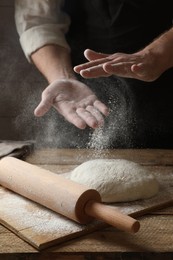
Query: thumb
x=92, y=55
x=43, y=107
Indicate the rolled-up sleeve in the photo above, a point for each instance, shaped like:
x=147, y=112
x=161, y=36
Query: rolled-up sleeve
x=39, y=23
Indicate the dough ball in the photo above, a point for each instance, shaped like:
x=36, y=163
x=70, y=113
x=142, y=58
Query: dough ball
x=117, y=180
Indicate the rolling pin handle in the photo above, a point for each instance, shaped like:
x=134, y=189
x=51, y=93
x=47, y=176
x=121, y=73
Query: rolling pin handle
x=112, y=216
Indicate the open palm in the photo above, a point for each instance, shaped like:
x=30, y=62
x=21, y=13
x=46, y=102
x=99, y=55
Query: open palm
x=75, y=101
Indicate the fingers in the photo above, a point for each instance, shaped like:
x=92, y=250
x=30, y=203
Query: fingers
x=128, y=70
x=106, y=69
x=94, y=72
x=94, y=67
x=73, y=118
x=82, y=117
x=92, y=55
x=91, y=116
x=101, y=107
x=87, y=117
x=104, y=65
x=138, y=68
x=90, y=64
x=42, y=108
x=122, y=69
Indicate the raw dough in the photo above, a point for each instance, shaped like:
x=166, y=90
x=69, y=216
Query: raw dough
x=117, y=180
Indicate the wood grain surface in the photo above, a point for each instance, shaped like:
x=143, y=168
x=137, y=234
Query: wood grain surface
x=154, y=240
x=43, y=228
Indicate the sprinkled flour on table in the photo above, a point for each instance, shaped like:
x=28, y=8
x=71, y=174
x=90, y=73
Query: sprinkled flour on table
x=27, y=214
x=40, y=226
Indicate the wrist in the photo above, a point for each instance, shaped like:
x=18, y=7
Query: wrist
x=161, y=51
x=60, y=74
x=53, y=62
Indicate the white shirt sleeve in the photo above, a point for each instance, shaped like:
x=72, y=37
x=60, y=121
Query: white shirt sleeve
x=40, y=22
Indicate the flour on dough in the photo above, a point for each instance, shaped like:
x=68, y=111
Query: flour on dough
x=117, y=180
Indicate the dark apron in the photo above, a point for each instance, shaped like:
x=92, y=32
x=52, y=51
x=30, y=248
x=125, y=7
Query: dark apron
x=141, y=112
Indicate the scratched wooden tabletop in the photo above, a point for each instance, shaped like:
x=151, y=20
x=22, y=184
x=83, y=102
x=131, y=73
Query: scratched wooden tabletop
x=153, y=241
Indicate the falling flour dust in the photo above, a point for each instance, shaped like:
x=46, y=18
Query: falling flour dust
x=119, y=125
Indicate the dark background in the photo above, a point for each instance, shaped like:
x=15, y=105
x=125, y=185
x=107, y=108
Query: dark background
x=20, y=83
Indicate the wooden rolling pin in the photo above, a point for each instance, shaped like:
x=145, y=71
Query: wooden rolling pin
x=73, y=200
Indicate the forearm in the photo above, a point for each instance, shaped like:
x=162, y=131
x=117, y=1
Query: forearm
x=162, y=49
x=53, y=62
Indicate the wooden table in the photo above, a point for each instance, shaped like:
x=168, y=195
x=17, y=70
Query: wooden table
x=153, y=241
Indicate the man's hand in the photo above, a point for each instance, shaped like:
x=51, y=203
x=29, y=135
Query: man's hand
x=75, y=101
x=143, y=65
